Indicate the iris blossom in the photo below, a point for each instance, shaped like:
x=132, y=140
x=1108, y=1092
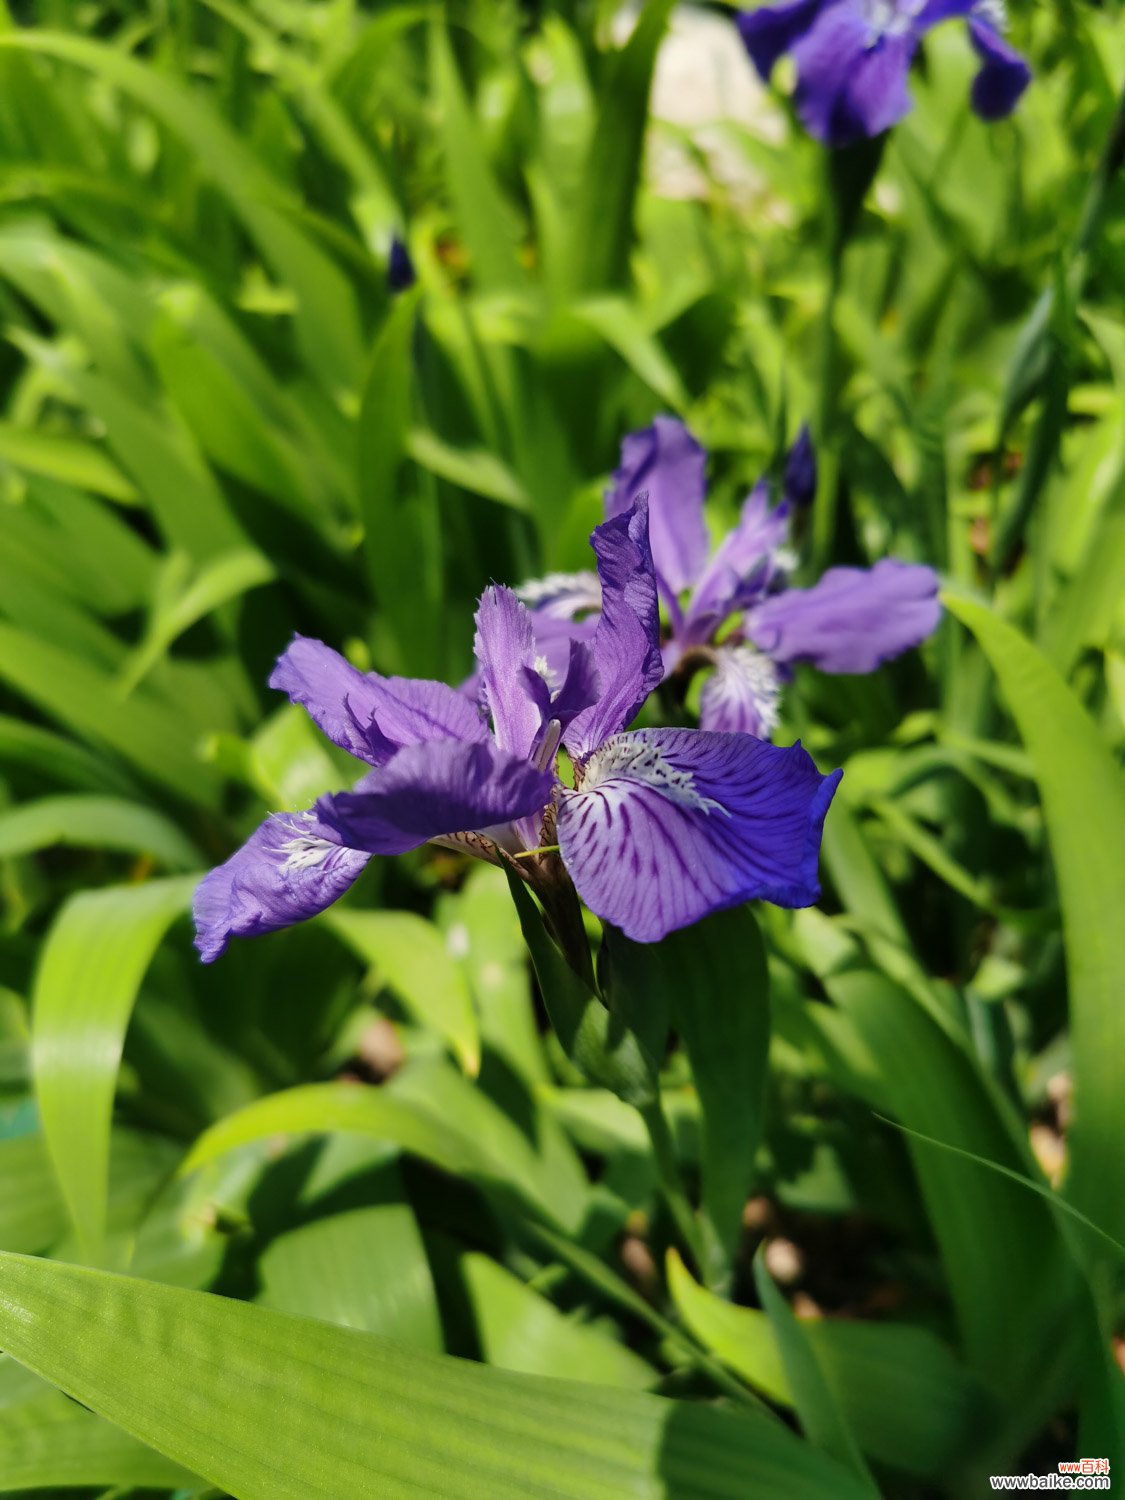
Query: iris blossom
x=853, y=57
x=732, y=609
x=660, y=826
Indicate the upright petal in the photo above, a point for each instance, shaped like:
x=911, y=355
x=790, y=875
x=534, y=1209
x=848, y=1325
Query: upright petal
x=289, y=869
x=672, y=824
x=368, y=715
x=741, y=695
x=771, y=30
x=1002, y=76
x=627, y=639
x=849, y=83
x=745, y=553
x=427, y=791
x=852, y=620
x=505, y=652
x=665, y=461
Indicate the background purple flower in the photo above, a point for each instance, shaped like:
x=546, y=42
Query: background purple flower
x=853, y=57
x=660, y=828
x=735, y=612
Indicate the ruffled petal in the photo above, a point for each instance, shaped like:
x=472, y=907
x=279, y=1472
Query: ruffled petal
x=513, y=688
x=290, y=869
x=743, y=556
x=1002, y=76
x=852, y=620
x=431, y=791
x=370, y=716
x=851, y=84
x=627, y=638
x=742, y=694
x=667, y=463
x=672, y=824
x=771, y=30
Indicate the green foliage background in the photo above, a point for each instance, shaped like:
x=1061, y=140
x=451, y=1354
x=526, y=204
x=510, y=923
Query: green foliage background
x=220, y=427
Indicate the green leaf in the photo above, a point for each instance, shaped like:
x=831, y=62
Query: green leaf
x=47, y=1442
x=431, y=1111
x=32, y=1215
x=411, y=957
x=326, y=318
x=603, y=219
x=96, y=823
x=816, y=1402
x=711, y=979
x=1011, y=1284
x=218, y=581
x=271, y=1407
x=599, y=1044
x=520, y=1330
x=401, y=525
x=364, y=1267
x=142, y=730
x=91, y=968
x=1083, y=796
x=487, y=222
x=472, y=469
x=900, y=1390
x=69, y=459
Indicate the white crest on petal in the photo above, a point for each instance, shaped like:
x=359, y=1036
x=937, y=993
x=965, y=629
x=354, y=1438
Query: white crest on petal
x=304, y=851
x=743, y=674
x=993, y=12
x=562, y=595
x=634, y=757
x=889, y=17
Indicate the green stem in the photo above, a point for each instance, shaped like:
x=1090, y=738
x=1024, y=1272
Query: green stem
x=597, y=1274
x=670, y=1181
x=824, y=511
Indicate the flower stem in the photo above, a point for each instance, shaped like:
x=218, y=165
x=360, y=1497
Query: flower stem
x=671, y=1183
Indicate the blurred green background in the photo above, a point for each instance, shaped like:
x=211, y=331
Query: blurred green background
x=219, y=426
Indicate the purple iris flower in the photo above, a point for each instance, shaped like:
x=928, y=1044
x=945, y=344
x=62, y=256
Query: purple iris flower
x=853, y=57
x=731, y=609
x=661, y=826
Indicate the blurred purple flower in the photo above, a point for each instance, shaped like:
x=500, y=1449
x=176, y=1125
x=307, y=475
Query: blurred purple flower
x=733, y=611
x=401, y=275
x=661, y=826
x=853, y=57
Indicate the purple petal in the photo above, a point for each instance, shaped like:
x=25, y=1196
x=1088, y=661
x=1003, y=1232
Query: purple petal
x=371, y=716
x=667, y=462
x=852, y=619
x=627, y=639
x=848, y=84
x=771, y=30
x=553, y=639
x=513, y=689
x=741, y=695
x=580, y=686
x=942, y=10
x=427, y=791
x=672, y=824
x=289, y=869
x=740, y=557
x=1003, y=75
x=799, y=481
